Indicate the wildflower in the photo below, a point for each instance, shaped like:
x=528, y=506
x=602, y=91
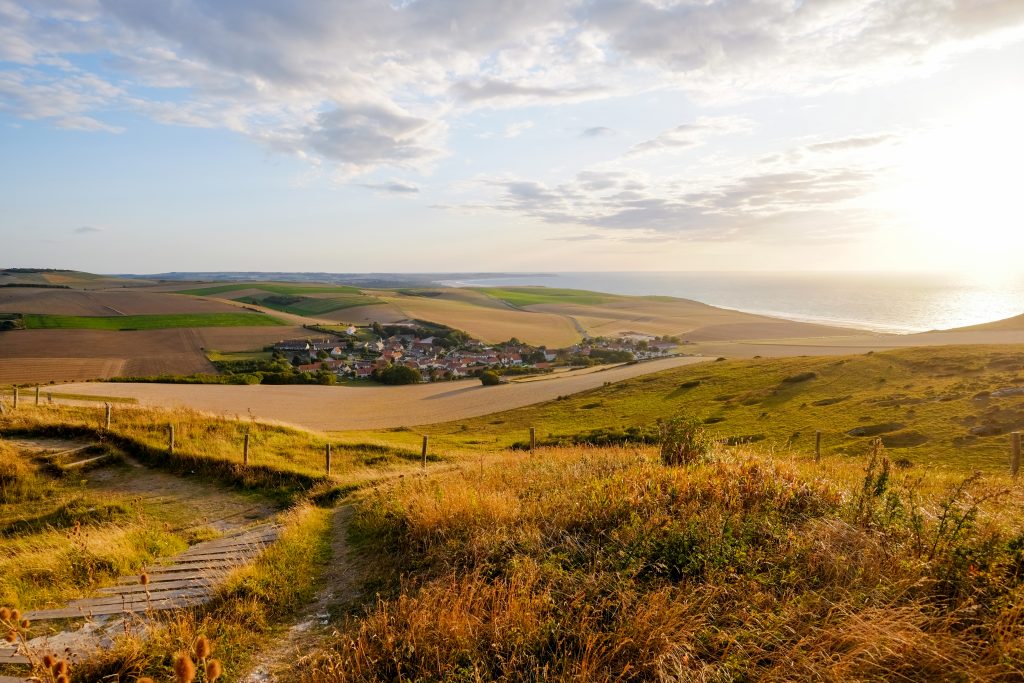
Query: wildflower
x=203, y=648
x=184, y=669
x=213, y=670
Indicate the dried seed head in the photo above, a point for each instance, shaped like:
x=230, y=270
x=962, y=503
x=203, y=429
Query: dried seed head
x=203, y=648
x=184, y=669
x=25, y=623
x=11, y=637
x=49, y=660
x=60, y=668
x=63, y=678
x=15, y=615
x=145, y=679
x=213, y=670
x=5, y=613
x=144, y=579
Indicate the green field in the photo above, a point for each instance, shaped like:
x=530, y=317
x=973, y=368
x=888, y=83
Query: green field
x=530, y=296
x=304, y=305
x=147, y=322
x=273, y=288
x=923, y=403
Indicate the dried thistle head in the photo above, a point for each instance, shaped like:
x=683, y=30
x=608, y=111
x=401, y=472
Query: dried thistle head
x=25, y=623
x=49, y=660
x=60, y=668
x=15, y=615
x=144, y=579
x=184, y=669
x=213, y=670
x=11, y=636
x=63, y=678
x=203, y=647
x=5, y=613
x=144, y=679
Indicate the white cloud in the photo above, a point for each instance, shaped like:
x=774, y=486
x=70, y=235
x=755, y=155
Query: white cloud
x=87, y=230
x=693, y=134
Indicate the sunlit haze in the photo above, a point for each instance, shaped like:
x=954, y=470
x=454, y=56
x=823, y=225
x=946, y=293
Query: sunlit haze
x=512, y=136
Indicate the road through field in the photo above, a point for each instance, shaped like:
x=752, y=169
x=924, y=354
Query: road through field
x=372, y=406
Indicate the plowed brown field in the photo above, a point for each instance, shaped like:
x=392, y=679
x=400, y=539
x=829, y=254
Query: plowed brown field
x=104, y=303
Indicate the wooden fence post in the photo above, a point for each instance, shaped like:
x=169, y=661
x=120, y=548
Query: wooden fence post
x=245, y=451
x=106, y=420
x=15, y=397
x=533, y=439
x=327, y=459
x=37, y=394
x=170, y=439
x=817, y=447
x=424, y=450
x=49, y=397
x=1015, y=457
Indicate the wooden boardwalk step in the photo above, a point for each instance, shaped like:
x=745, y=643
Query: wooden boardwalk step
x=132, y=599
x=103, y=610
x=199, y=581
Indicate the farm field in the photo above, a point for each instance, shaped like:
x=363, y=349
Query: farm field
x=103, y=302
x=486, y=319
x=147, y=322
x=372, y=406
x=40, y=356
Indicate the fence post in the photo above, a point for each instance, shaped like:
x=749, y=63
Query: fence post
x=170, y=439
x=15, y=397
x=817, y=447
x=327, y=459
x=533, y=439
x=245, y=451
x=1015, y=457
x=37, y=394
x=424, y=450
x=106, y=420
x=49, y=397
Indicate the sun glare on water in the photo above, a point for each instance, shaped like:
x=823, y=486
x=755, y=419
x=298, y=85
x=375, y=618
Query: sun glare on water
x=961, y=192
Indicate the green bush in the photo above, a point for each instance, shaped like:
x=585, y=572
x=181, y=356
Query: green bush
x=398, y=374
x=684, y=441
x=489, y=378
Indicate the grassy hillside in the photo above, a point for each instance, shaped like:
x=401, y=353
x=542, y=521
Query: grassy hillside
x=929, y=405
x=531, y=296
x=604, y=565
x=307, y=305
x=147, y=322
x=272, y=288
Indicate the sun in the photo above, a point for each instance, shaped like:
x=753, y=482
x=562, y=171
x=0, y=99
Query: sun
x=960, y=190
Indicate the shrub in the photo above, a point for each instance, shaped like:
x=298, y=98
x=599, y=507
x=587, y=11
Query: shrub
x=489, y=378
x=684, y=441
x=398, y=374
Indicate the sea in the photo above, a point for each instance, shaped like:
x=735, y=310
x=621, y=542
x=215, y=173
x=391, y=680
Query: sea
x=900, y=303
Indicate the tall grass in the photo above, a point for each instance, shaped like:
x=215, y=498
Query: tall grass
x=603, y=564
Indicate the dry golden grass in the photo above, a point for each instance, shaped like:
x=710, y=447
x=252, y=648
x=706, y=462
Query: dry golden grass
x=604, y=565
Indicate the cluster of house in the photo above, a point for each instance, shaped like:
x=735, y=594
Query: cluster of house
x=436, y=362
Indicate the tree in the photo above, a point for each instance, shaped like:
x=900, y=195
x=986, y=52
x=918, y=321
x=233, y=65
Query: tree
x=489, y=378
x=398, y=374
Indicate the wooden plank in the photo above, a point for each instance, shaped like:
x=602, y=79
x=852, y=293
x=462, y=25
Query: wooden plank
x=72, y=465
x=136, y=598
x=15, y=679
x=9, y=655
x=198, y=581
x=245, y=552
x=194, y=566
x=103, y=610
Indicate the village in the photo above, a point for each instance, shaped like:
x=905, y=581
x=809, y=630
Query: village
x=365, y=353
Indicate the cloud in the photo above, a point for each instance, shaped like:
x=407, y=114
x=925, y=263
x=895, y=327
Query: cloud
x=392, y=187
x=597, y=132
x=87, y=230
x=851, y=143
x=492, y=90
x=692, y=134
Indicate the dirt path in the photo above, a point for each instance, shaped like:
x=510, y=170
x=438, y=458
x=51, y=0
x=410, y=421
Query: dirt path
x=339, y=594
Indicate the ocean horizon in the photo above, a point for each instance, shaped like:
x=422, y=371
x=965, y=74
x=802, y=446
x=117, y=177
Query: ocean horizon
x=899, y=303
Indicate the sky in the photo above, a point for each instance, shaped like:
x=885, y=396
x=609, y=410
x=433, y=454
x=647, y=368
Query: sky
x=512, y=135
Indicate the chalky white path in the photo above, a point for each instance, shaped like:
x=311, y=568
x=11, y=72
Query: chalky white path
x=373, y=406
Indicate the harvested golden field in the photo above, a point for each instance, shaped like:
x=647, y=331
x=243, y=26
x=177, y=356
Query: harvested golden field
x=43, y=370
x=103, y=303
x=364, y=315
x=373, y=406
x=488, y=320
x=690, y=319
